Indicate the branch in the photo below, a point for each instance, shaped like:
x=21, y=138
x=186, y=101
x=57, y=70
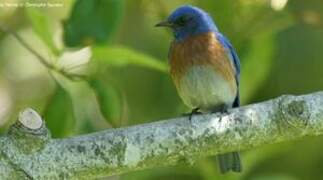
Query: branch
x=28, y=151
x=41, y=59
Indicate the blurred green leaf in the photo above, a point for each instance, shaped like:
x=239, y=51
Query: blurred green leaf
x=223, y=12
x=261, y=52
x=75, y=61
x=59, y=113
x=41, y=27
x=121, y=56
x=274, y=177
x=179, y=172
x=259, y=58
x=109, y=101
x=88, y=116
x=92, y=21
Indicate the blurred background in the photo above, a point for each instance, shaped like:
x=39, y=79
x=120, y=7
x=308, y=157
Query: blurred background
x=106, y=67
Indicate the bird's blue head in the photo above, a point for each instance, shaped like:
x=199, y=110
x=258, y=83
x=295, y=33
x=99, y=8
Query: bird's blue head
x=187, y=21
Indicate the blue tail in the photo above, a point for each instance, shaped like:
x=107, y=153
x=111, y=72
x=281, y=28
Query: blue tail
x=229, y=162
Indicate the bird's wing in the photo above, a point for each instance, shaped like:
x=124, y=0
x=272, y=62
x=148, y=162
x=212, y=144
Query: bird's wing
x=234, y=60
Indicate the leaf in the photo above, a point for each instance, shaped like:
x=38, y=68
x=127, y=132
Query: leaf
x=109, y=101
x=92, y=21
x=259, y=58
x=88, y=117
x=41, y=27
x=223, y=12
x=121, y=56
x=75, y=61
x=59, y=113
x=274, y=177
x=261, y=53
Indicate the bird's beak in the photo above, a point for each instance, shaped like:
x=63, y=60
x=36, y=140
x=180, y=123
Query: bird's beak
x=164, y=24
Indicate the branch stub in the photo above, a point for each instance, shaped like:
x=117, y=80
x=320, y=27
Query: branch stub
x=30, y=119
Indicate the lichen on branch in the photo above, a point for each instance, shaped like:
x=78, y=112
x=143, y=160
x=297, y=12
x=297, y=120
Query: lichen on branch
x=32, y=153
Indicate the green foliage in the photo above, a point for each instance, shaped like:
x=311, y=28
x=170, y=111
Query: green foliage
x=121, y=56
x=274, y=177
x=280, y=52
x=41, y=26
x=109, y=101
x=261, y=53
x=58, y=114
x=224, y=19
x=92, y=22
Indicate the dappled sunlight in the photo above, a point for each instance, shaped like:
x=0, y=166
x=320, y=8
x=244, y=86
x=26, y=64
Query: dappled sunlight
x=75, y=61
x=20, y=64
x=220, y=124
x=278, y=5
x=5, y=104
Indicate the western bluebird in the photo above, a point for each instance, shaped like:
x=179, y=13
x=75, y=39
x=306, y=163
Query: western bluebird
x=204, y=67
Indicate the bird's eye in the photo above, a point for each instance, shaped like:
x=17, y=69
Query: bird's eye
x=181, y=21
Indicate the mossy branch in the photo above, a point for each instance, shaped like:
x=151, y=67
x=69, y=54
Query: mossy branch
x=28, y=151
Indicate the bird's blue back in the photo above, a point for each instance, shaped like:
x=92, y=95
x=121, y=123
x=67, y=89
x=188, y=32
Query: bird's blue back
x=235, y=60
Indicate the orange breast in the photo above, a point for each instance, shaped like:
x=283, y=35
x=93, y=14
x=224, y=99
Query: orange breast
x=199, y=50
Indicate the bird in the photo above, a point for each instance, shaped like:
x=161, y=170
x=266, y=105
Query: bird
x=204, y=67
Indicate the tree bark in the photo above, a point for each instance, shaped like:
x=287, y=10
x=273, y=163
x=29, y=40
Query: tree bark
x=28, y=151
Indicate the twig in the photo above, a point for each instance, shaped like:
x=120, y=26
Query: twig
x=41, y=59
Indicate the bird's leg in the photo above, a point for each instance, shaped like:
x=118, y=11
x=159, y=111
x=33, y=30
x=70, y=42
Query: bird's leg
x=193, y=112
x=223, y=109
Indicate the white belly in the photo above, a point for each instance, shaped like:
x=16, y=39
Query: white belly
x=201, y=87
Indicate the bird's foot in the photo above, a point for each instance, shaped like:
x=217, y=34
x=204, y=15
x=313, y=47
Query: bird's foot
x=223, y=110
x=194, y=111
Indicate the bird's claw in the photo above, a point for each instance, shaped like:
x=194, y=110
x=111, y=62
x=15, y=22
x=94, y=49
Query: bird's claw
x=195, y=111
x=223, y=110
